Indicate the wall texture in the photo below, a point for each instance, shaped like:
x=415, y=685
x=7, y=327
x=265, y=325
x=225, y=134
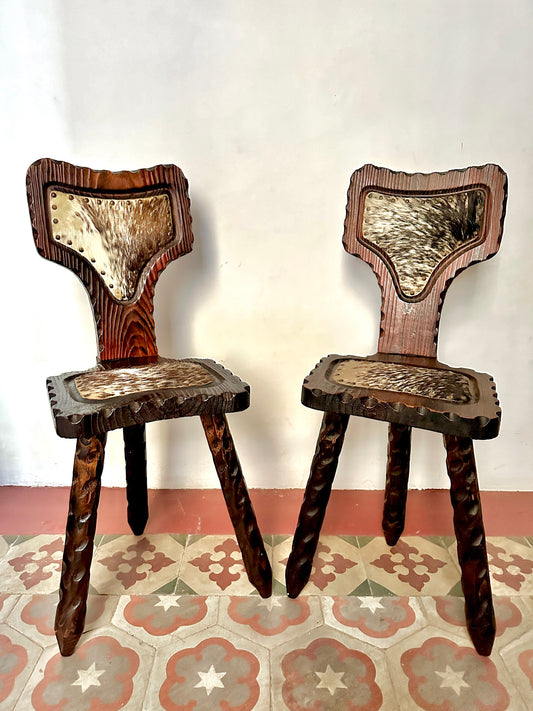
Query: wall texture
x=267, y=108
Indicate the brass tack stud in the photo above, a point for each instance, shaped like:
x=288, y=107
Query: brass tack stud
x=71, y=197
x=53, y=195
x=54, y=207
x=55, y=220
x=69, y=241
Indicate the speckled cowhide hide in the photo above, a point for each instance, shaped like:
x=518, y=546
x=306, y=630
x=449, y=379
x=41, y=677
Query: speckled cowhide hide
x=118, y=236
x=417, y=232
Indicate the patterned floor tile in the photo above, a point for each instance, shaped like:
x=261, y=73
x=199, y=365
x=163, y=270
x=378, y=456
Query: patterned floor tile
x=213, y=565
x=381, y=621
x=109, y=670
x=157, y=619
x=337, y=566
x=18, y=656
x=329, y=670
x=518, y=657
x=7, y=603
x=433, y=670
x=270, y=622
x=34, y=615
x=511, y=566
x=219, y=671
x=32, y=564
x=414, y=566
x=147, y=562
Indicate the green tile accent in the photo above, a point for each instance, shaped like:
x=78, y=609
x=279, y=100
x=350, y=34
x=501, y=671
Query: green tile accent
x=10, y=539
x=364, y=540
x=278, y=588
x=352, y=540
x=457, y=590
x=363, y=590
x=183, y=589
x=179, y=537
x=278, y=538
x=167, y=589
x=379, y=591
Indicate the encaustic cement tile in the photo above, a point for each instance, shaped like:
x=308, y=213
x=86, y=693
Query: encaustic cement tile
x=105, y=672
x=448, y=614
x=219, y=671
x=435, y=671
x=270, y=622
x=213, y=565
x=18, y=656
x=156, y=619
x=414, y=566
x=337, y=566
x=33, y=565
x=380, y=621
x=146, y=562
x=511, y=566
x=34, y=615
x=328, y=670
x=518, y=657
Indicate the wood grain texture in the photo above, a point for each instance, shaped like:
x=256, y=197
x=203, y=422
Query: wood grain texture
x=316, y=497
x=478, y=418
x=238, y=502
x=75, y=415
x=471, y=544
x=79, y=542
x=125, y=329
x=399, y=453
x=136, y=483
x=409, y=325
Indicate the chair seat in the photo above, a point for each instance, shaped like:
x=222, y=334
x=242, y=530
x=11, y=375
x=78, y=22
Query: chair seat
x=104, y=398
x=408, y=390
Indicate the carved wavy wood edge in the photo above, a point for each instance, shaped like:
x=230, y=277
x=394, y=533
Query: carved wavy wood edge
x=480, y=420
x=80, y=417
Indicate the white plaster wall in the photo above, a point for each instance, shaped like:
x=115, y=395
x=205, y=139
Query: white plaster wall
x=267, y=107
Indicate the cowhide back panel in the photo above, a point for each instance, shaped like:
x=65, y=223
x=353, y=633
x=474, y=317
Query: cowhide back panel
x=416, y=234
x=418, y=231
x=118, y=236
x=117, y=232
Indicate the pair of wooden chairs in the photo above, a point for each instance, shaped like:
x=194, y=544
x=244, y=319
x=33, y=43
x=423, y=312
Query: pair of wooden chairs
x=118, y=231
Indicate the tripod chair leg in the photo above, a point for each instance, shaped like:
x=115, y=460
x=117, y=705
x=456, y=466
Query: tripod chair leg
x=238, y=502
x=471, y=545
x=317, y=492
x=136, y=485
x=79, y=540
x=396, y=484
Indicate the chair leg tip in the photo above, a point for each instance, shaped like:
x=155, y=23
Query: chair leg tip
x=66, y=645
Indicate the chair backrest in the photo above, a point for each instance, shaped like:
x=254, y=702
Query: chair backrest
x=418, y=231
x=117, y=232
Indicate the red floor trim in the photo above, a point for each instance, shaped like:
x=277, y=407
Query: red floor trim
x=44, y=510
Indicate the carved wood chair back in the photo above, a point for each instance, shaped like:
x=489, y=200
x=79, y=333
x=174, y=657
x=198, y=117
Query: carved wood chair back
x=417, y=232
x=117, y=232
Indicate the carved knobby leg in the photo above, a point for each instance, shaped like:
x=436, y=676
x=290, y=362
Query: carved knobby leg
x=471, y=546
x=238, y=502
x=396, y=484
x=136, y=485
x=77, y=557
x=316, y=497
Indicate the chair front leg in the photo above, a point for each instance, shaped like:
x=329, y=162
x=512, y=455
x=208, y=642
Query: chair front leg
x=136, y=484
x=238, y=502
x=396, y=484
x=317, y=493
x=471, y=545
x=79, y=541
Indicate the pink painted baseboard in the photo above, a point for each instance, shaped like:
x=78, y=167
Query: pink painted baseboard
x=350, y=512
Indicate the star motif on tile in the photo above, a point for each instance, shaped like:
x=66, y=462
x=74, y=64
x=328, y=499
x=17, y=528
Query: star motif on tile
x=372, y=604
x=330, y=680
x=168, y=601
x=210, y=680
x=453, y=679
x=270, y=603
x=88, y=677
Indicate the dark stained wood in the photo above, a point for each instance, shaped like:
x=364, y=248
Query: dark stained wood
x=417, y=232
x=126, y=227
x=410, y=326
x=317, y=492
x=79, y=541
x=238, y=502
x=399, y=453
x=136, y=484
x=471, y=544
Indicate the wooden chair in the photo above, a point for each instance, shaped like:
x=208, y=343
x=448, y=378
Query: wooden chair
x=417, y=232
x=117, y=232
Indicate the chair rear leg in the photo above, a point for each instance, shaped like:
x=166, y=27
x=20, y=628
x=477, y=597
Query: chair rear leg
x=317, y=492
x=238, y=502
x=79, y=541
x=396, y=484
x=471, y=545
x=136, y=484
